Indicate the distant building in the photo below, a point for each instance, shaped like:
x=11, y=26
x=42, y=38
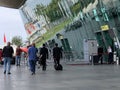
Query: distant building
x=35, y=26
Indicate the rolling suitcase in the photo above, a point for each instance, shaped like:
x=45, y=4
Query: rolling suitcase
x=58, y=67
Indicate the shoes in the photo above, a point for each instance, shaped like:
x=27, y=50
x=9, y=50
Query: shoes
x=43, y=69
x=9, y=73
x=18, y=65
x=38, y=67
x=4, y=72
x=33, y=73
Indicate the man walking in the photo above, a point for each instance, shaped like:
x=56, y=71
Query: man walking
x=18, y=56
x=110, y=55
x=1, y=56
x=7, y=57
x=100, y=54
x=57, y=54
x=32, y=55
x=43, y=56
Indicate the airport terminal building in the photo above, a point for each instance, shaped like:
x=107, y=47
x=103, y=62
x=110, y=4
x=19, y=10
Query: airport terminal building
x=96, y=25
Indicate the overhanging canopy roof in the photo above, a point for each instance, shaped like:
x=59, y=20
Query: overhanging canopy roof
x=12, y=3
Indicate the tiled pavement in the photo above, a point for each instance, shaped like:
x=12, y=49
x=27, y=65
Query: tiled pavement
x=73, y=77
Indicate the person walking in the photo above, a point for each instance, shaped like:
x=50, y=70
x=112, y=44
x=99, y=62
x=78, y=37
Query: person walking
x=32, y=55
x=57, y=54
x=1, y=56
x=18, y=56
x=7, y=57
x=43, y=56
x=110, y=55
x=100, y=54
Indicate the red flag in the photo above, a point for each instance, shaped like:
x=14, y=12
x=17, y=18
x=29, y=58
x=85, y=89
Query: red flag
x=4, y=38
x=29, y=32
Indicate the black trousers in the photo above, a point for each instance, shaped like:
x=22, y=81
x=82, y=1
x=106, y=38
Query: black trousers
x=110, y=58
x=43, y=63
x=57, y=61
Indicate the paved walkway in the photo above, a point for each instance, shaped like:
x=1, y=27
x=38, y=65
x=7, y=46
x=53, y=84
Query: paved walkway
x=73, y=77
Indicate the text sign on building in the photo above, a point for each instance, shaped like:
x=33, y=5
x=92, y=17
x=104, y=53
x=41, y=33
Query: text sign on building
x=104, y=27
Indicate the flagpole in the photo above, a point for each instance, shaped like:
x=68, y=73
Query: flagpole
x=10, y=38
x=4, y=39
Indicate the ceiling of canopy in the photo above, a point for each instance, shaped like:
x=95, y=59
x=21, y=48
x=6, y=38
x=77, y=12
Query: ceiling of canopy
x=16, y=4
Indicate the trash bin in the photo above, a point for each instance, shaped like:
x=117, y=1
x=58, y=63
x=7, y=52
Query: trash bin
x=95, y=59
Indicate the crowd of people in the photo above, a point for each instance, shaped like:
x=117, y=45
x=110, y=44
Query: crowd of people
x=40, y=55
x=32, y=56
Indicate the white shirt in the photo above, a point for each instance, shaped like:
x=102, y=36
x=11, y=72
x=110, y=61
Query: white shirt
x=109, y=50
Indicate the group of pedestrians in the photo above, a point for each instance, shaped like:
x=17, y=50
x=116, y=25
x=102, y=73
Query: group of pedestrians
x=40, y=55
x=43, y=55
x=109, y=53
x=33, y=55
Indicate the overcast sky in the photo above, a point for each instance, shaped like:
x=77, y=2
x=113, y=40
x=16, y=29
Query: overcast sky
x=11, y=24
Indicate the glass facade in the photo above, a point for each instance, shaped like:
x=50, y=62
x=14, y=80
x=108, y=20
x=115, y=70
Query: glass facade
x=35, y=25
x=102, y=23
x=99, y=20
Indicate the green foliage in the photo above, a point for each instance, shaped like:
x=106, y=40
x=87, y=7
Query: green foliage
x=40, y=9
x=92, y=1
x=50, y=33
x=85, y=3
x=17, y=40
x=52, y=11
x=75, y=8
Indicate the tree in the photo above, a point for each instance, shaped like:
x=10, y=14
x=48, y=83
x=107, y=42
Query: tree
x=17, y=40
x=52, y=11
x=76, y=8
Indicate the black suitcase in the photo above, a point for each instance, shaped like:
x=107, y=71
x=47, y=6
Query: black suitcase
x=58, y=67
x=95, y=59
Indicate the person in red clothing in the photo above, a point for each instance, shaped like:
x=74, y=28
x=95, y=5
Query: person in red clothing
x=18, y=56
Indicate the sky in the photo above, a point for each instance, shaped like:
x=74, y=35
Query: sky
x=11, y=24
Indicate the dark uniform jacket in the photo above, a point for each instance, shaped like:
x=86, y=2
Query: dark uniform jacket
x=8, y=51
x=44, y=53
x=57, y=53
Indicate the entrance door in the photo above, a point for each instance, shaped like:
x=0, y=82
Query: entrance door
x=65, y=44
x=67, y=50
x=105, y=39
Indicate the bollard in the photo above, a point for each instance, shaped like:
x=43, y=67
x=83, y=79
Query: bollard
x=117, y=60
x=90, y=59
x=114, y=57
